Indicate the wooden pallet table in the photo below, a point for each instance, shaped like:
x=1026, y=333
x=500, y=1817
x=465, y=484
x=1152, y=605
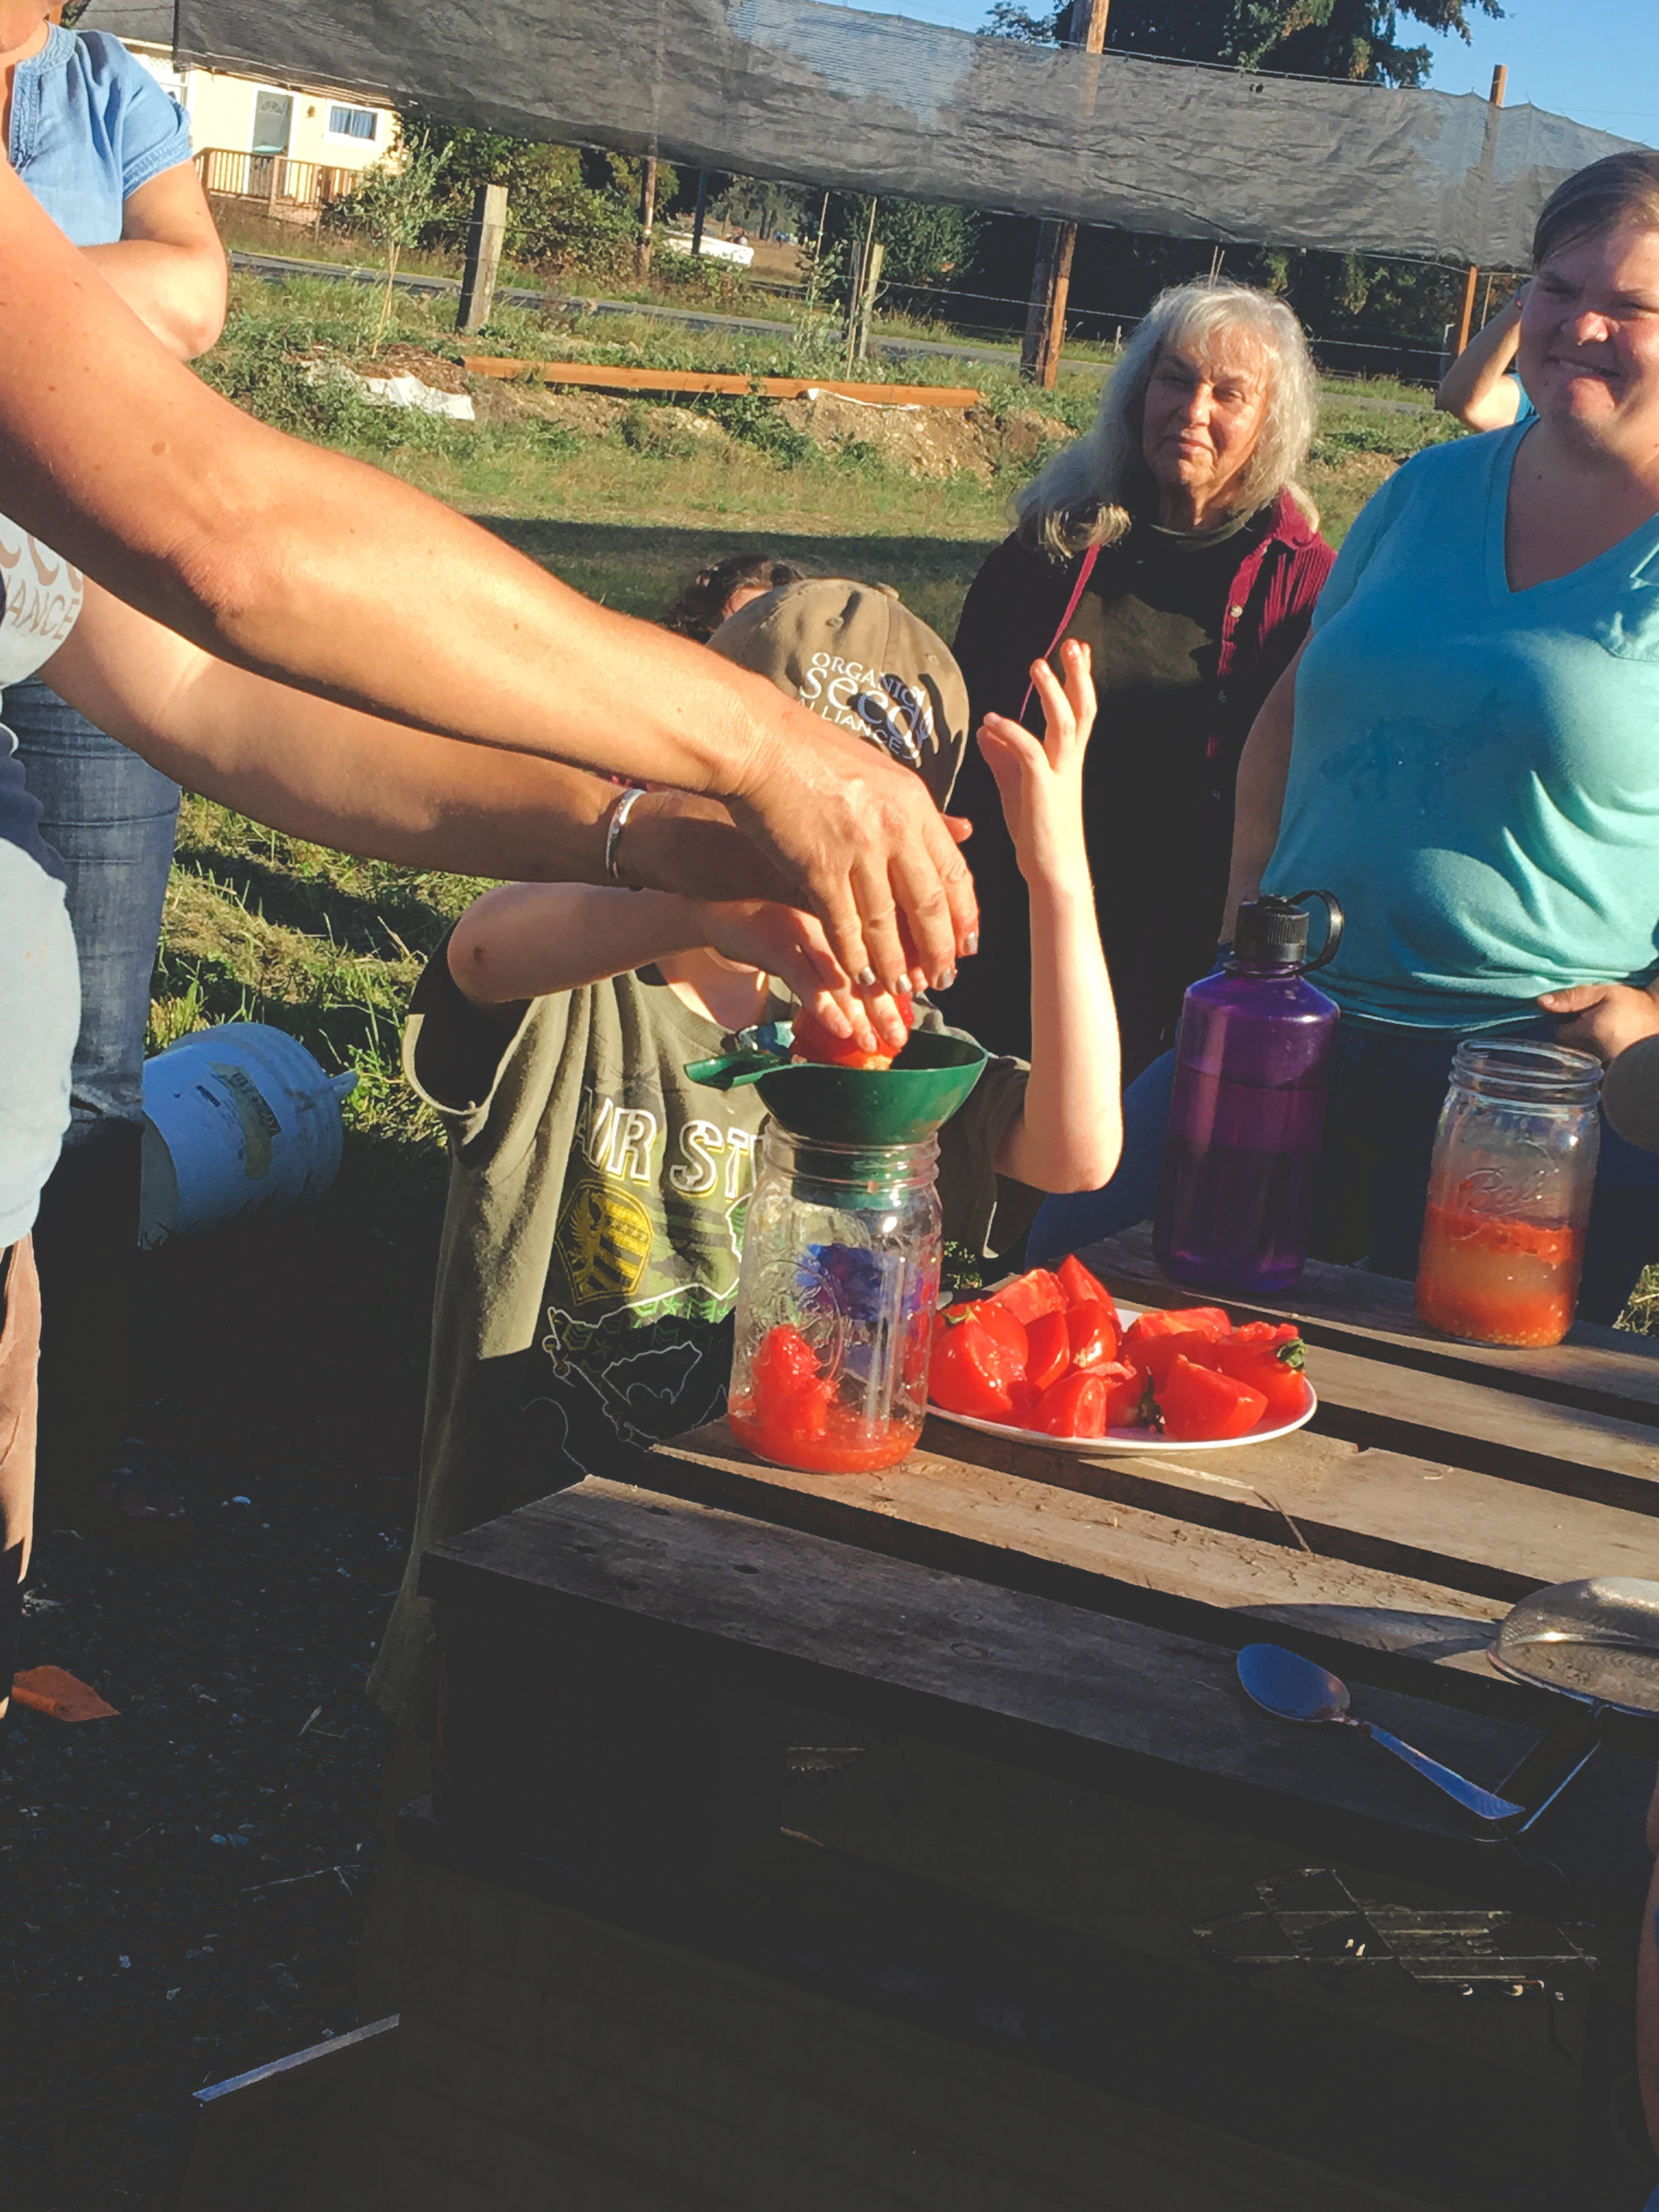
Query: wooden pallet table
x=904, y=1840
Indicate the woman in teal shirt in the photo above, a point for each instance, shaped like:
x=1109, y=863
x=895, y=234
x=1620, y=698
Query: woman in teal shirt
x=1467, y=752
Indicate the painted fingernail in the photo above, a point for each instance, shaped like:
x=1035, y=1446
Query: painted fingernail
x=866, y=979
x=947, y=979
x=971, y=946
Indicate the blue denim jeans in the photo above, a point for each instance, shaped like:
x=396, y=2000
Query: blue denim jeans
x=112, y=817
x=1387, y=1090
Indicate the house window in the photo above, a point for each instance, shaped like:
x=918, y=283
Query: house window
x=351, y=122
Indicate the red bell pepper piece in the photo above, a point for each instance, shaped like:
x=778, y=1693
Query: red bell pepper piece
x=1200, y=1406
x=1075, y=1406
x=1049, y=1350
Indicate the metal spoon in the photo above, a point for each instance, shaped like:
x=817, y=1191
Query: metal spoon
x=1292, y=1688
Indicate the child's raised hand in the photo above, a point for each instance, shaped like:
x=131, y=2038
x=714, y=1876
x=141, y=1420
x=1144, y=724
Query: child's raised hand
x=1040, y=785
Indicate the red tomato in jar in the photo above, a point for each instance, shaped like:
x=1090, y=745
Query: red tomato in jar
x=1075, y=1406
x=1201, y=1405
x=1093, y=1337
x=1049, y=1350
x=1035, y=1292
x=1083, y=1289
x=969, y=1372
x=814, y=1043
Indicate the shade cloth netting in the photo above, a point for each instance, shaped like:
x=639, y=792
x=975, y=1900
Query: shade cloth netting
x=818, y=94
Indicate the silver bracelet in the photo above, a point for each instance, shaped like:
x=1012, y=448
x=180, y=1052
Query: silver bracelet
x=621, y=808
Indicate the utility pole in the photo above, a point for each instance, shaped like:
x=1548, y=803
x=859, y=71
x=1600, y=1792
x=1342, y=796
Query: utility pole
x=1051, y=280
x=1500, y=79
x=484, y=234
x=648, y=216
x=701, y=210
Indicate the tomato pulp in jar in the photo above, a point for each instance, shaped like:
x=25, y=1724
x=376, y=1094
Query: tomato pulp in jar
x=1497, y=1281
x=1510, y=1192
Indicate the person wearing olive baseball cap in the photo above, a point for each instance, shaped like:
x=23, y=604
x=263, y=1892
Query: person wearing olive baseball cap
x=598, y=1196
x=855, y=653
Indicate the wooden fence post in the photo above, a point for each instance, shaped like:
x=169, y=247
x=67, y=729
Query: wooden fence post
x=1500, y=79
x=484, y=234
x=1051, y=280
x=648, y=216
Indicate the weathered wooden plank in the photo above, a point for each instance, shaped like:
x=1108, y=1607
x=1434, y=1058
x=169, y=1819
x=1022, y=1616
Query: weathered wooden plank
x=1295, y=1528
x=599, y=377
x=1067, y=1528
x=1606, y=1371
x=684, y=1590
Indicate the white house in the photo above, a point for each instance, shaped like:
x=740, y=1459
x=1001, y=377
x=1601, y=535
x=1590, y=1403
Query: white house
x=287, y=143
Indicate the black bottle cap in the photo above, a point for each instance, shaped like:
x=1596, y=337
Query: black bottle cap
x=1271, y=931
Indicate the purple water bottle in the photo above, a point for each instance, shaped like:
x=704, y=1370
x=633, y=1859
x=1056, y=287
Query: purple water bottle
x=1252, y=1065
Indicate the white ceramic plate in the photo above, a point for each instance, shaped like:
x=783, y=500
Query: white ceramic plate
x=1135, y=1440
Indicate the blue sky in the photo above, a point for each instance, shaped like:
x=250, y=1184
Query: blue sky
x=1594, y=60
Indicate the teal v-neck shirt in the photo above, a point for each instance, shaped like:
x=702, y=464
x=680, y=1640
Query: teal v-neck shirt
x=1475, y=770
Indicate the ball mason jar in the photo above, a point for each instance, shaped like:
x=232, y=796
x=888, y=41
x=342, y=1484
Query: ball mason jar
x=1510, y=1192
x=836, y=1299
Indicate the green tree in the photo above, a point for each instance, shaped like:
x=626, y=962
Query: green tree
x=567, y=207
x=394, y=205
x=924, y=245
x=1353, y=39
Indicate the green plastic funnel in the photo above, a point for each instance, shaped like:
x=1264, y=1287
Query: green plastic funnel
x=896, y=1105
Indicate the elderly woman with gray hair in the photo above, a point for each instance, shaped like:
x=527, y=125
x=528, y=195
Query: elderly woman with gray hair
x=1174, y=540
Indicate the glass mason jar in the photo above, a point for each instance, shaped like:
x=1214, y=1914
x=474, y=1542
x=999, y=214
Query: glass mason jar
x=835, y=1316
x=1510, y=1192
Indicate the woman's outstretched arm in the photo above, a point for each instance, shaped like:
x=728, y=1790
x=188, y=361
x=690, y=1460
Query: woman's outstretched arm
x=311, y=568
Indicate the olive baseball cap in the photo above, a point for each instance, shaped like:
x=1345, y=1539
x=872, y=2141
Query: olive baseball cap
x=855, y=654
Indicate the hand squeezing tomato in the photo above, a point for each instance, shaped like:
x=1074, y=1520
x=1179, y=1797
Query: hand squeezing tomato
x=1049, y=1354
x=814, y=1043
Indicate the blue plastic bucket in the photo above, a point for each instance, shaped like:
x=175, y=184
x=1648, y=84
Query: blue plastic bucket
x=238, y=1120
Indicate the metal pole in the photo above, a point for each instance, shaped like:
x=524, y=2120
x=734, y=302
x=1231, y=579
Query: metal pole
x=1500, y=79
x=1051, y=280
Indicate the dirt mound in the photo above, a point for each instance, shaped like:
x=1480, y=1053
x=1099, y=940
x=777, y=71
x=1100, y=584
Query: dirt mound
x=926, y=442
x=1026, y=435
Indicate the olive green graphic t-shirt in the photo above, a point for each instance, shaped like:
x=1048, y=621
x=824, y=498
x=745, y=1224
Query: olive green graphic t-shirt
x=590, y=1246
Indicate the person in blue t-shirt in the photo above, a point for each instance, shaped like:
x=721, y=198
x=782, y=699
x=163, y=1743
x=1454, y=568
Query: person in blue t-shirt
x=107, y=153
x=1464, y=753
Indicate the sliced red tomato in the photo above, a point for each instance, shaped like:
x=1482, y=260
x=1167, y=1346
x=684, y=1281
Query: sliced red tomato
x=784, y=1363
x=1125, y=1388
x=813, y=1041
x=969, y=1371
x=1200, y=1406
x=1083, y=1289
x=1094, y=1338
x=1023, y=1398
x=1049, y=1350
x=1007, y=1328
x=1272, y=1363
x=786, y=1397
x=1075, y=1406
x=1202, y=1321
x=1031, y=1294
x=1156, y=1356
x=1270, y=1333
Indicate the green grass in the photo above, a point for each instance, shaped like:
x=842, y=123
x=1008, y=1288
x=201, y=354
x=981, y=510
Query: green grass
x=263, y=928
